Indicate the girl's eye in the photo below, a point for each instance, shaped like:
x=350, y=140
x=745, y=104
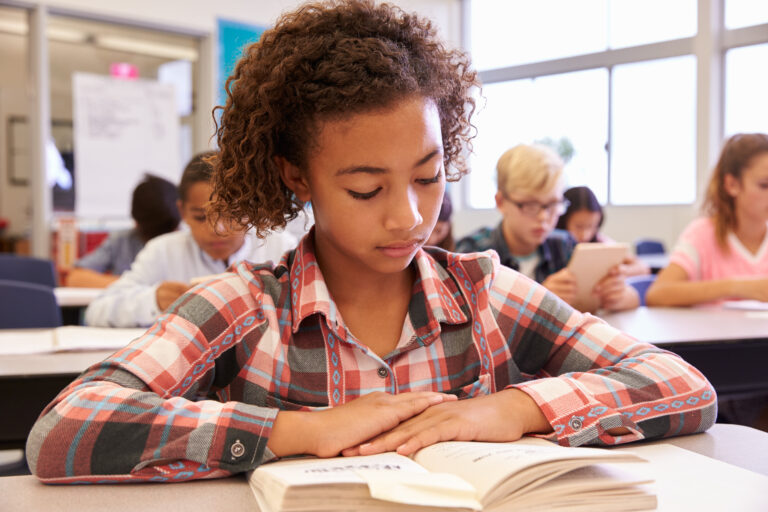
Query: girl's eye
x=363, y=195
x=429, y=181
x=199, y=218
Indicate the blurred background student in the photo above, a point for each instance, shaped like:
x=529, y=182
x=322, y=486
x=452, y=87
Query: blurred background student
x=530, y=199
x=583, y=219
x=724, y=255
x=442, y=235
x=155, y=212
x=164, y=269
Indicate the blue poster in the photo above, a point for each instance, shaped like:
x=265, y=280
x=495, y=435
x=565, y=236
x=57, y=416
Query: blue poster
x=233, y=36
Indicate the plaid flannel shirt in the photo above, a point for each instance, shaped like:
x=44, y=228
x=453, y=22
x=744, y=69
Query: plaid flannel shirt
x=197, y=395
x=554, y=253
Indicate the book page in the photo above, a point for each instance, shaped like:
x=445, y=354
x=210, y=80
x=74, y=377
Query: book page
x=338, y=470
x=488, y=465
x=749, y=305
x=444, y=490
x=77, y=337
x=26, y=341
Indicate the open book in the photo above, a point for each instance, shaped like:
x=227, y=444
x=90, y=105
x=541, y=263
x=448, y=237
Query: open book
x=530, y=474
x=69, y=337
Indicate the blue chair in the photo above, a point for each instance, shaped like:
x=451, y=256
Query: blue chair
x=649, y=246
x=641, y=284
x=27, y=269
x=26, y=305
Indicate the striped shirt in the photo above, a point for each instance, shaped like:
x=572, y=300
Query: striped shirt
x=553, y=253
x=196, y=396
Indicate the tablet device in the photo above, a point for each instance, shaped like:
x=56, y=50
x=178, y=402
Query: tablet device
x=591, y=261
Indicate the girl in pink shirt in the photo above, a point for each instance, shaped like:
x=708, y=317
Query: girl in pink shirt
x=724, y=255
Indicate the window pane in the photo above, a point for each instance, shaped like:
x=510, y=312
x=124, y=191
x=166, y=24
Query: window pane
x=506, y=33
x=746, y=83
x=633, y=23
x=743, y=13
x=654, y=132
x=571, y=105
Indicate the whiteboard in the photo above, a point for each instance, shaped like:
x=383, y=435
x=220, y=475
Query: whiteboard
x=123, y=129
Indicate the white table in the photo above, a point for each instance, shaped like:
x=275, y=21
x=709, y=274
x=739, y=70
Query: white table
x=68, y=296
x=741, y=446
x=729, y=346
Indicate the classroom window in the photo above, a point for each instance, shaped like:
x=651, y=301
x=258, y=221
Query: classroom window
x=746, y=100
x=745, y=13
x=542, y=110
x=650, y=21
x=653, y=136
x=505, y=33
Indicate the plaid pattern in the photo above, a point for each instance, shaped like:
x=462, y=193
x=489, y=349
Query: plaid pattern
x=196, y=396
x=554, y=252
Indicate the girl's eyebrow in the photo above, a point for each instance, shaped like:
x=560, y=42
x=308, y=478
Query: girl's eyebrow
x=368, y=169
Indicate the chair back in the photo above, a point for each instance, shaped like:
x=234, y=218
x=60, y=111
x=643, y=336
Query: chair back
x=27, y=269
x=26, y=305
x=649, y=246
x=641, y=285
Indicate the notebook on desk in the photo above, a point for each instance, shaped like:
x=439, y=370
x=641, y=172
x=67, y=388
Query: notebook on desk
x=66, y=338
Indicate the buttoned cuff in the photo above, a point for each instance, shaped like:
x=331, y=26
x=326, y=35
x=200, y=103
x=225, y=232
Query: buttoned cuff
x=240, y=443
x=574, y=419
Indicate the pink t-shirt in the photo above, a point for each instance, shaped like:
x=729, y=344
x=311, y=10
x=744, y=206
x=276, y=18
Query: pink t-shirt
x=702, y=259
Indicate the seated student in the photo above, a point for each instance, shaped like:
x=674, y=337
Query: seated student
x=725, y=254
x=163, y=270
x=442, y=234
x=153, y=208
x=583, y=219
x=358, y=341
x=530, y=199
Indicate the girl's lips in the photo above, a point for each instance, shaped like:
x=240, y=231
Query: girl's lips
x=400, y=249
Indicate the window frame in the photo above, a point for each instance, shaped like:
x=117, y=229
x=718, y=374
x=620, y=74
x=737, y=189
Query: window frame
x=708, y=46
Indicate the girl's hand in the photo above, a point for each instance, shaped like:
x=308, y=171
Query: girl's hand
x=499, y=417
x=327, y=432
x=562, y=284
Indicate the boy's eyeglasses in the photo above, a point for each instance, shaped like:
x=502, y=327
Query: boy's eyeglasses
x=533, y=208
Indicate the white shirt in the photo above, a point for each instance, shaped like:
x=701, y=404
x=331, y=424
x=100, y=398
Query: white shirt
x=130, y=301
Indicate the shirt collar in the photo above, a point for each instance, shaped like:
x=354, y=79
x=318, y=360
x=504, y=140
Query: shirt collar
x=243, y=253
x=433, y=287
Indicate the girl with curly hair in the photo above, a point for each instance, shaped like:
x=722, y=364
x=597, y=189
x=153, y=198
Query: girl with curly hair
x=358, y=341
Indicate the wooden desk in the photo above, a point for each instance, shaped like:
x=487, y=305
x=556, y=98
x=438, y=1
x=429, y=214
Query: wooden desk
x=741, y=446
x=729, y=346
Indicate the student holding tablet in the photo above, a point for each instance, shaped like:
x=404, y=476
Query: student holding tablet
x=724, y=255
x=530, y=199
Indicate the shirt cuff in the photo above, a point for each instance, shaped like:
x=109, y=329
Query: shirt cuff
x=576, y=420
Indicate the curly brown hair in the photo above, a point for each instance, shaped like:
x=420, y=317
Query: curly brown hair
x=736, y=156
x=325, y=61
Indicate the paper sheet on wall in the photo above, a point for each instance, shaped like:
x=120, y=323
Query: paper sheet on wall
x=123, y=129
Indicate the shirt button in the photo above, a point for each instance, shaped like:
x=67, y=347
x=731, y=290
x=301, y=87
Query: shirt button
x=575, y=423
x=237, y=450
x=383, y=372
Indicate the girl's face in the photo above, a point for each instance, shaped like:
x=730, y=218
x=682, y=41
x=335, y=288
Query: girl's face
x=750, y=193
x=376, y=183
x=583, y=225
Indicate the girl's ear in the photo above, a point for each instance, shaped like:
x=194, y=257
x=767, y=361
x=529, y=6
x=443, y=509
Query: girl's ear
x=731, y=185
x=294, y=179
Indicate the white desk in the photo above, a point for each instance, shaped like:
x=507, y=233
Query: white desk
x=28, y=382
x=729, y=346
x=68, y=296
x=741, y=446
